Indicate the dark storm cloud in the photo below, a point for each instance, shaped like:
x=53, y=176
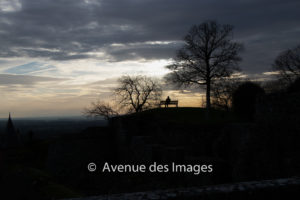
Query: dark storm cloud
x=148, y=50
x=68, y=29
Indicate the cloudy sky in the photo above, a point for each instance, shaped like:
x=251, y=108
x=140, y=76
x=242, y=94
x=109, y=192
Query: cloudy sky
x=56, y=56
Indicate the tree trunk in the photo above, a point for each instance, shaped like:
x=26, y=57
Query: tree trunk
x=207, y=115
x=208, y=95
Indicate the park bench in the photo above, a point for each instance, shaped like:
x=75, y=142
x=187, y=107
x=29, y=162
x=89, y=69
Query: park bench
x=170, y=103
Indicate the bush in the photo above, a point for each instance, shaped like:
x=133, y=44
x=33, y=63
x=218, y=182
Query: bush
x=244, y=99
x=294, y=87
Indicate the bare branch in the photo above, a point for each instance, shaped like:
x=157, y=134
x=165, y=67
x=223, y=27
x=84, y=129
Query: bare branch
x=100, y=109
x=288, y=64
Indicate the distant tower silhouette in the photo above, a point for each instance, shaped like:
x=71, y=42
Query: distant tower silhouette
x=10, y=129
x=10, y=138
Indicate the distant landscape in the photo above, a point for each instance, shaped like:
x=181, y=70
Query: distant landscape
x=51, y=127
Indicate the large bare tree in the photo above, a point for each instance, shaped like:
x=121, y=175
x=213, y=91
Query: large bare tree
x=137, y=93
x=287, y=63
x=208, y=54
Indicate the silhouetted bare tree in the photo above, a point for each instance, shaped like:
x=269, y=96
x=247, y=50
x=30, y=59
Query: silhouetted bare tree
x=222, y=92
x=137, y=93
x=208, y=54
x=100, y=108
x=287, y=63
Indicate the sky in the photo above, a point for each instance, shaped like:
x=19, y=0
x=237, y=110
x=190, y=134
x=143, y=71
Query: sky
x=57, y=56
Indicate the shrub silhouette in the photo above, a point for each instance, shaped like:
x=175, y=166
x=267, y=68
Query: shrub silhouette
x=294, y=86
x=244, y=99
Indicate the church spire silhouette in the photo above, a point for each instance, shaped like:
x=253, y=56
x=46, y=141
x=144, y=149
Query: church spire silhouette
x=10, y=126
x=12, y=136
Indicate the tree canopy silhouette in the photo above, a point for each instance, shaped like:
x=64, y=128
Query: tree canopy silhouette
x=287, y=63
x=208, y=54
x=137, y=93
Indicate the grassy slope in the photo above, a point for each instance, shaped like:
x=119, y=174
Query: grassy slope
x=187, y=115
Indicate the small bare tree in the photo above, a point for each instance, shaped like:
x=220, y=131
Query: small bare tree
x=208, y=54
x=100, y=109
x=137, y=93
x=222, y=91
x=287, y=63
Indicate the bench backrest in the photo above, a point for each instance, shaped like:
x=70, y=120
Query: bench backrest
x=171, y=102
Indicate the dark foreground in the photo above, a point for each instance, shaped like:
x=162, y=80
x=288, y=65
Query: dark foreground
x=241, y=151
x=256, y=190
